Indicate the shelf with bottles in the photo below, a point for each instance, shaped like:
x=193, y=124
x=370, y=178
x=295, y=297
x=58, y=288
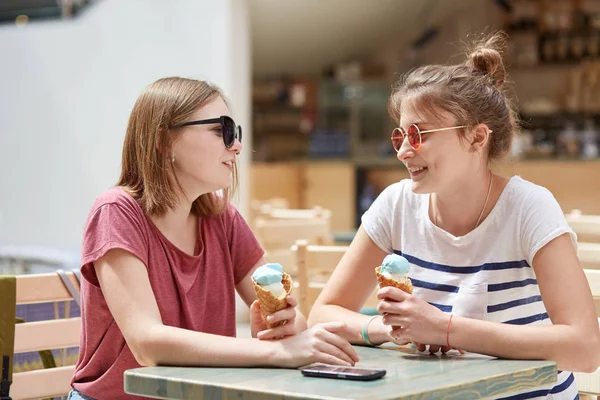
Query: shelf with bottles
x=546, y=32
x=559, y=136
x=283, y=105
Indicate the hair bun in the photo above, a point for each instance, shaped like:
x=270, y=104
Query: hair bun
x=489, y=62
x=485, y=57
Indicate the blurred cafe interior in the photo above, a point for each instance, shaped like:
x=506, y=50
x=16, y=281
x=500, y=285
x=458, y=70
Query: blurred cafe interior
x=308, y=80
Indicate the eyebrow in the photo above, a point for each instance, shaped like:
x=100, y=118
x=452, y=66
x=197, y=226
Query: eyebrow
x=418, y=123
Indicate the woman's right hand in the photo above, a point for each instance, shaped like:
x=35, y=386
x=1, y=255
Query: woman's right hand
x=321, y=343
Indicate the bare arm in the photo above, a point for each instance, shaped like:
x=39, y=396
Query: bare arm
x=126, y=287
x=573, y=341
x=348, y=288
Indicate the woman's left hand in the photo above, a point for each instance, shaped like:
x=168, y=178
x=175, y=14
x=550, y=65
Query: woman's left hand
x=414, y=320
x=258, y=325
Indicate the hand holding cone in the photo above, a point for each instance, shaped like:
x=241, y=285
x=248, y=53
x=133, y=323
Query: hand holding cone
x=269, y=303
x=393, y=267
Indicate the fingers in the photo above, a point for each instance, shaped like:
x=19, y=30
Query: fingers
x=387, y=306
x=394, y=320
x=434, y=348
x=340, y=328
x=398, y=335
x=291, y=300
x=392, y=293
x=331, y=350
x=255, y=314
x=277, y=332
x=420, y=346
x=340, y=343
x=287, y=314
x=329, y=359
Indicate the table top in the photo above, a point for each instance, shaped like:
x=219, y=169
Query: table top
x=410, y=375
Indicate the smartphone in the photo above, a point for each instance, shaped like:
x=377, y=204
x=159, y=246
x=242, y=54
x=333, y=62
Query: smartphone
x=337, y=372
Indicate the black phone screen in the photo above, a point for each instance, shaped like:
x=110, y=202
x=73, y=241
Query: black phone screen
x=337, y=372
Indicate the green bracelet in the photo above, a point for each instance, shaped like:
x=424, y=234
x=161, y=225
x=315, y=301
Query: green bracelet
x=365, y=335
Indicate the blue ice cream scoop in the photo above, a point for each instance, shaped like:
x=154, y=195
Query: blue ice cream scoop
x=394, y=265
x=268, y=274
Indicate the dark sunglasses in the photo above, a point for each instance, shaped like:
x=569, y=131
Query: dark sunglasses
x=231, y=131
x=414, y=135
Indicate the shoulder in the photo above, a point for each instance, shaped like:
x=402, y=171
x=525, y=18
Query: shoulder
x=115, y=195
x=521, y=192
x=117, y=198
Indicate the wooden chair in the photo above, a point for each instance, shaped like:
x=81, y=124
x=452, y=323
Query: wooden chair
x=587, y=227
x=315, y=266
x=44, y=335
x=278, y=235
x=589, y=255
x=589, y=384
x=316, y=212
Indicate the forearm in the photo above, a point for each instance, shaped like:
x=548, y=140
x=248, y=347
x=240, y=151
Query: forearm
x=167, y=345
x=300, y=321
x=377, y=332
x=571, y=348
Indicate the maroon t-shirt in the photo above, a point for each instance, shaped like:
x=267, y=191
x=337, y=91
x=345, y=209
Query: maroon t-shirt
x=192, y=292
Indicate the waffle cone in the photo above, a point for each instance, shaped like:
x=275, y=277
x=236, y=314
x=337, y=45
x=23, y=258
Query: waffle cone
x=269, y=303
x=406, y=285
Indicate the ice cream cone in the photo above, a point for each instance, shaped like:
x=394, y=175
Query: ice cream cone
x=269, y=303
x=406, y=285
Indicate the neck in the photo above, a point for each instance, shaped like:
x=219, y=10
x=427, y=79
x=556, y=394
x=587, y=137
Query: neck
x=176, y=219
x=462, y=208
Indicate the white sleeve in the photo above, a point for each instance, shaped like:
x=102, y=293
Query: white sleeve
x=378, y=219
x=542, y=220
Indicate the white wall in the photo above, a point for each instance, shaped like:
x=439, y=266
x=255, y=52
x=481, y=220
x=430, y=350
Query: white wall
x=66, y=90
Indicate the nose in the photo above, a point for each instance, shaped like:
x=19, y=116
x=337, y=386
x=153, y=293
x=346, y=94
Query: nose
x=406, y=151
x=237, y=147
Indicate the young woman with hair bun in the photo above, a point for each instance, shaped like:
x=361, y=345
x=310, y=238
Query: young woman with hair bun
x=492, y=261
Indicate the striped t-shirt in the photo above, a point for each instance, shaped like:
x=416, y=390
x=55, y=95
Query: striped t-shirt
x=485, y=274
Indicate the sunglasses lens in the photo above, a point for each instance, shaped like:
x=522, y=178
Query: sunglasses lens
x=239, y=133
x=414, y=137
x=397, y=138
x=228, y=131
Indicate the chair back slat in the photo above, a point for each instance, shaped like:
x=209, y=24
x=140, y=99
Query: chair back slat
x=589, y=255
x=43, y=288
x=46, y=335
x=42, y=383
x=276, y=233
x=586, y=225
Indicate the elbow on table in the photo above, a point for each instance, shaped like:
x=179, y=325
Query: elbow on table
x=143, y=350
x=589, y=351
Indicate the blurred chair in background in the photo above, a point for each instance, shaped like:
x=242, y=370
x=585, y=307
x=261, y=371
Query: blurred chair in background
x=587, y=227
x=315, y=265
x=589, y=384
x=277, y=235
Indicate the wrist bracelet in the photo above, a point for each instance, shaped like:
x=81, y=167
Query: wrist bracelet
x=448, y=332
x=365, y=335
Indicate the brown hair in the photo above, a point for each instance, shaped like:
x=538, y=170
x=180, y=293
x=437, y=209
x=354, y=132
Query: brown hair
x=473, y=92
x=146, y=171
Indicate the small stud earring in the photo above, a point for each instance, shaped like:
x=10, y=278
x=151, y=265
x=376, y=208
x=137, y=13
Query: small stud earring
x=173, y=157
